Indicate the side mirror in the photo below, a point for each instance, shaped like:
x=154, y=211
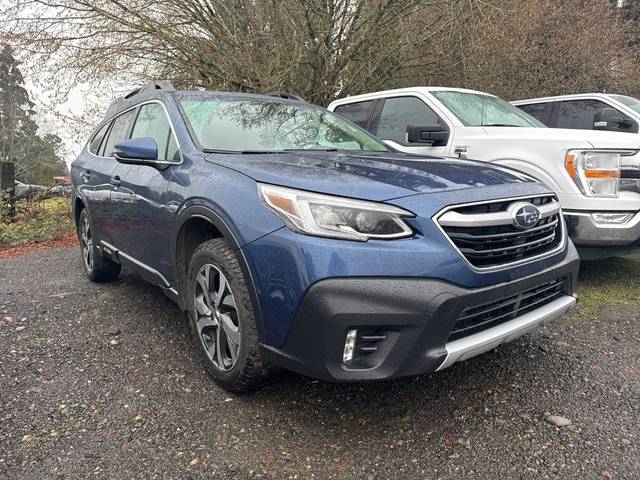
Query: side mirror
x=137, y=151
x=433, y=134
x=610, y=119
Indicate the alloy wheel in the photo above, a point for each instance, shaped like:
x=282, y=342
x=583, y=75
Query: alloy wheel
x=216, y=317
x=86, y=243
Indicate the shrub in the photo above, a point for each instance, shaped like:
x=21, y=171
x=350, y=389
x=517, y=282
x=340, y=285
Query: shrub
x=37, y=220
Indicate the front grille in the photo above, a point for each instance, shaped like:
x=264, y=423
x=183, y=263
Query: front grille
x=486, y=236
x=481, y=317
x=502, y=205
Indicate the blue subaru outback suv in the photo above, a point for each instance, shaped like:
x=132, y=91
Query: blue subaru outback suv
x=293, y=238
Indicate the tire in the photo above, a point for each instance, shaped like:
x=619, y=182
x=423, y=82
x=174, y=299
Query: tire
x=97, y=267
x=221, y=315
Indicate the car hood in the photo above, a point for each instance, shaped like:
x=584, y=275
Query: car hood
x=374, y=176
x=576, y=138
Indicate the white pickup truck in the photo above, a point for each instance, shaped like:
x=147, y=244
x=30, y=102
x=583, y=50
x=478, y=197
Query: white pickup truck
x=586, y=111
x=595, y=174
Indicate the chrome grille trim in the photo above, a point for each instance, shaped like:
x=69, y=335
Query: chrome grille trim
x=464, y=220
x=496, y=237
x=455, y=219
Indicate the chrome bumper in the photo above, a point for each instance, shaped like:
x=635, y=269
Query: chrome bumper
x=585, y=231
x=486, y=340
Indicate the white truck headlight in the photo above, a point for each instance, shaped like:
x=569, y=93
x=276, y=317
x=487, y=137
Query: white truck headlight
x=335, y=217
x=596, y=173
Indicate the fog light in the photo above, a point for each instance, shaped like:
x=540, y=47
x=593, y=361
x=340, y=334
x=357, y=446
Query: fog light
x=612, y=218
x=349, y=345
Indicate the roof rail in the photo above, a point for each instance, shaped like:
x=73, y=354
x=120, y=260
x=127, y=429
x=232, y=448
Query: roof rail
x=286, y=95
x=151, y=86
x=130, y=98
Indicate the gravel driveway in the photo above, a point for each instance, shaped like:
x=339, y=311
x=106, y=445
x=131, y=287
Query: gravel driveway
x=102, y=381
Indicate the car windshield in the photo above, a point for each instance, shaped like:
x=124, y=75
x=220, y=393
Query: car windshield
x=630, y=102
x=476, y=109
x=257, y=126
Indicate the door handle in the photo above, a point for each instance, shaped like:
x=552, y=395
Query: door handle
x=115, y=181
x=461, y=151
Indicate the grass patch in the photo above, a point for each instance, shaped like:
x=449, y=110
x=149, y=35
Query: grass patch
x=37, y=221
x=615, y=281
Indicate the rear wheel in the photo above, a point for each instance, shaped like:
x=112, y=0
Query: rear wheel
x=222, y=318
x=96, y=266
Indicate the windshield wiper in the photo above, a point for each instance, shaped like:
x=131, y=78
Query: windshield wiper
x=312, y=150
x=499, y=125
x=286, y=150
x=260, y=152
x=240, y=152
x=213, y=150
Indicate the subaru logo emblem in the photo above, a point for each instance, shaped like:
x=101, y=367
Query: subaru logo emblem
x=524, y=214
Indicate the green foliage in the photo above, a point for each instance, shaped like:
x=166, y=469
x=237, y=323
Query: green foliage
x=5, y=208
x=37, y=221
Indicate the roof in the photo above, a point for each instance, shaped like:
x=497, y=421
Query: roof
x=148, y=91
x=418, y=89
x=563, y=97
x=153, y=89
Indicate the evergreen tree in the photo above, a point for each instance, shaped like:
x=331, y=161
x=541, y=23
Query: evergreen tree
x=37, y=158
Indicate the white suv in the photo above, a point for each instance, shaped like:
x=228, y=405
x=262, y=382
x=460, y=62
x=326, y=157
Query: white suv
x=586, y=111
x=596, y=175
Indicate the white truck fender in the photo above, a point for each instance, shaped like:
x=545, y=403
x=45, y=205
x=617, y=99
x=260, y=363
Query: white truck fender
x=531, y=169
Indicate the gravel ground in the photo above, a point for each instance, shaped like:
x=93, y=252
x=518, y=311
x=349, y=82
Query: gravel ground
x=102, y=381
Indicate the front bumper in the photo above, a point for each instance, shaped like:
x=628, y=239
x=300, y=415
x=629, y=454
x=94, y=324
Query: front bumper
x=486, y=340
x=415, y=317
x=585, y=230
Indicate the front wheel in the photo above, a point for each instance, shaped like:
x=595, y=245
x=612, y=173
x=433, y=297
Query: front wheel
x=222, y=318
x=96, y=266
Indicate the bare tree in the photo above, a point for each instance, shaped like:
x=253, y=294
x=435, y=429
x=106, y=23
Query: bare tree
x=529, y=48
x=317, y=48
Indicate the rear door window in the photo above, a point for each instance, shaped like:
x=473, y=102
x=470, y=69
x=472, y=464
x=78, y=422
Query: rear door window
x=152, y=122
x=118, y=132
x=400, y=112
x=358, y=112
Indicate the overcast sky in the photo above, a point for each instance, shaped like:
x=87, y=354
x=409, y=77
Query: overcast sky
x=53, y=113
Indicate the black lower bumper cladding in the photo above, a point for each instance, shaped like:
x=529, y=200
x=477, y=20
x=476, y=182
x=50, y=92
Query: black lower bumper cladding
x=403, y=323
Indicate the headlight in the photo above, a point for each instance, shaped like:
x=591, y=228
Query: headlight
x=597, y=174
x=335, y=217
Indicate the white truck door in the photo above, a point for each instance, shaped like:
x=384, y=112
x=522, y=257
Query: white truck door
x=400, y=118
x=409, y=125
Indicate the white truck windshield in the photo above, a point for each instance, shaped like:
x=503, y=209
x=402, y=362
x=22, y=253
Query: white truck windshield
x=474, y=110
